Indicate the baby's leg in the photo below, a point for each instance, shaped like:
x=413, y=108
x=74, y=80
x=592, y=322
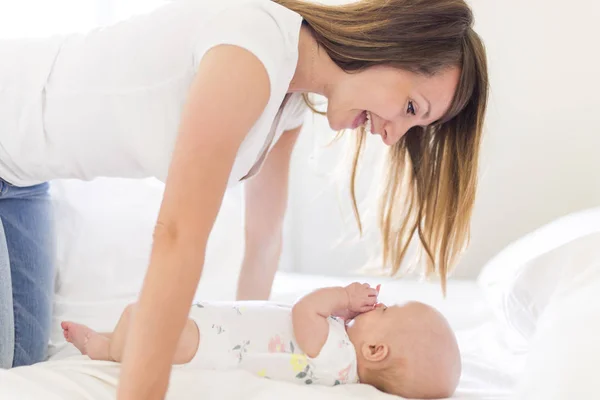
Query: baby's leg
x=186, y=348
x=87, y=341
x=99, y=346
x=106, y=346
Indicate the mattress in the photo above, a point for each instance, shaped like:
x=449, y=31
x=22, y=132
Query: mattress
x=489, y=370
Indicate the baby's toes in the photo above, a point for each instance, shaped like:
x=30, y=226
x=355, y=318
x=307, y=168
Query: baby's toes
x=66, y=333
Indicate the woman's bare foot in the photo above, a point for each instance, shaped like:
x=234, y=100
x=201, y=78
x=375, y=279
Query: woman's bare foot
x=87, y=341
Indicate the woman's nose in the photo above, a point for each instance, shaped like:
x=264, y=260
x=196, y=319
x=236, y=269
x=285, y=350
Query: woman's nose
x=394, y=131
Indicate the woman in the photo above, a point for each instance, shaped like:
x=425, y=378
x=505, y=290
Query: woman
x=207, y=94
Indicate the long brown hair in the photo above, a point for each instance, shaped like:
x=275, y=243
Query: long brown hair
x=431, y=177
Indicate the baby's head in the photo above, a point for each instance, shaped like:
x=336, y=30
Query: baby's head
x=408, y=350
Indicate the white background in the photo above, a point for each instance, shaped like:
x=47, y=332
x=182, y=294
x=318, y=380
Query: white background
x=539, y=158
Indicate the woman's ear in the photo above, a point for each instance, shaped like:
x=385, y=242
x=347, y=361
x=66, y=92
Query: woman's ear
x=375, y=352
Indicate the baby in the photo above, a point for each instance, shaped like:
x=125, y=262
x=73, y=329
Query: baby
x=332, y=336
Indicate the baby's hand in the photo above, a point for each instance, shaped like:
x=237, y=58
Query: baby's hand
x=361, y=297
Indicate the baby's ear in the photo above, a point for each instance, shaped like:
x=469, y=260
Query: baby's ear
x=375, y=352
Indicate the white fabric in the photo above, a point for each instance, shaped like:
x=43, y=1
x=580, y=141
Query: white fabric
x=564, y=354
x=95, y=222
x=489, y=370
x=108, y=102
x=520, y=280
x=258, y=337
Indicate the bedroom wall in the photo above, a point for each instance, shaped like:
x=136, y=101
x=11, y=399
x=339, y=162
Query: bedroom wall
x=538, y=160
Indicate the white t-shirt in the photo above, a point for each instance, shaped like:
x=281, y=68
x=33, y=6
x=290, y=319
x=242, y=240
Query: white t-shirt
x=259, y=337
x=108, y=102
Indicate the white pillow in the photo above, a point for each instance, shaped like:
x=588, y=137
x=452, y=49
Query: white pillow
x=519, y=281
x=104, y=232
x=563, y=360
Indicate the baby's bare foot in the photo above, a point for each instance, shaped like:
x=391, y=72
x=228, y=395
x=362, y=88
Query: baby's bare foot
x=77, y=334
x=89, y=342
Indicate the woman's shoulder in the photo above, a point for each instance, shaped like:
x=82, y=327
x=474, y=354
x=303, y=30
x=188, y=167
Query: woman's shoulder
x=268, y=30
x=251, y=17
x=271, y=7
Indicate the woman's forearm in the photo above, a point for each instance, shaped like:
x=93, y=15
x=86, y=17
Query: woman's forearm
x=266, y=202
x=258, y=269
x=160, y=316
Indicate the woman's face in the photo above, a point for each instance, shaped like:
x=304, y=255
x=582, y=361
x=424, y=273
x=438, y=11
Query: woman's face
x=393, y=100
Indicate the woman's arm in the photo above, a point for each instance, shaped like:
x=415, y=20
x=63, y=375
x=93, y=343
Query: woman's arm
x=224, y=102
x=309, y=315
x=266, y=202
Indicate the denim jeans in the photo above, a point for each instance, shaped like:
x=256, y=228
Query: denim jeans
x=26, y=273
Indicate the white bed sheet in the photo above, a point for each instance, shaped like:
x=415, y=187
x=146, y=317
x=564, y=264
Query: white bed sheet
x=489, y=370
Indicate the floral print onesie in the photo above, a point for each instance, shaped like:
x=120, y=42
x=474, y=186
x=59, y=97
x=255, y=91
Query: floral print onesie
x=258, y=337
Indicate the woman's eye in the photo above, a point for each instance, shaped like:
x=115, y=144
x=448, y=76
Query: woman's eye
x=411, y=108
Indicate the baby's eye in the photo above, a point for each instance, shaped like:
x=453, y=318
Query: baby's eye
x=411, y=108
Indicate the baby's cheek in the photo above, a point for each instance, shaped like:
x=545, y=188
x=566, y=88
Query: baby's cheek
x=363, y=323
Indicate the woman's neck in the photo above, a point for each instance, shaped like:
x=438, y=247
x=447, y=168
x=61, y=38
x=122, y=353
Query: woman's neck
x=315, y=71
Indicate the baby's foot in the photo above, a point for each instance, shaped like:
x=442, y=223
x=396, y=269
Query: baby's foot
x=77, y=334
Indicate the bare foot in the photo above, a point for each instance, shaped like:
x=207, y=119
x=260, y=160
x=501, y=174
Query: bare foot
x=88, y=341
x=77, y=334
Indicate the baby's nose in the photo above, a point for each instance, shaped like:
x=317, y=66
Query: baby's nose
x=378, y=305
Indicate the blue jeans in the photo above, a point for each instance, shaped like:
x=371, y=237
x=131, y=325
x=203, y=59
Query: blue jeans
x=26, y=273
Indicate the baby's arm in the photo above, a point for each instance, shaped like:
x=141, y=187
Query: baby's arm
x=309, y=315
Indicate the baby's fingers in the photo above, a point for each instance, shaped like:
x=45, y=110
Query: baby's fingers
x=367, y=308
x=370, y=301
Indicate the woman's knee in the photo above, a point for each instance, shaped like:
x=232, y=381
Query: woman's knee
x=27, y=248
x=30, y=350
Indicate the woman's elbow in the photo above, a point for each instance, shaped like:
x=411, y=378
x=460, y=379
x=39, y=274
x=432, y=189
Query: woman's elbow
x=178, y=236
x=165, y=231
